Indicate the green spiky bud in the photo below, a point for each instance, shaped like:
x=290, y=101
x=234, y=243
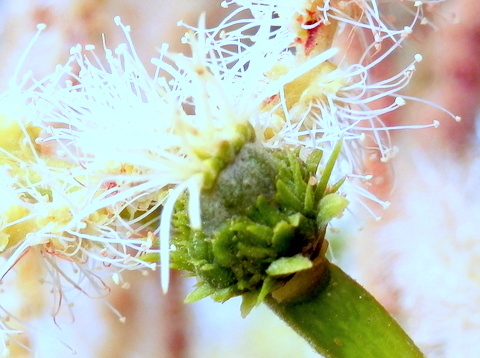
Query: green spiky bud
x=263, y=223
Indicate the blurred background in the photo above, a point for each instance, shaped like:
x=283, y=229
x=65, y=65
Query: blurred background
x=421, y=260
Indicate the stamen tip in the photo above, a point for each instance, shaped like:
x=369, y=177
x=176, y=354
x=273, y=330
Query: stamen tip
x=164, y=287
x=399, y=101
x=164, y=278
x=418, y=57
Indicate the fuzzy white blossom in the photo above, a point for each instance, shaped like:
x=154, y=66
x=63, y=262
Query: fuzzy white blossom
x=136, y=142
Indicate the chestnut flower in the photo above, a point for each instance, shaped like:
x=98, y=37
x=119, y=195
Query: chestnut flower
x=106, y=155
x=130, y=144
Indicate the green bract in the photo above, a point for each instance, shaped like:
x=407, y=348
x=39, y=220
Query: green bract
x=263, y=223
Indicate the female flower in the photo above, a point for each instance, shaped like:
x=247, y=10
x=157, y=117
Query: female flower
x=230, y=151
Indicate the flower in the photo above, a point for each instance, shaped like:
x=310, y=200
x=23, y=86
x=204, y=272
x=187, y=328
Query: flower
x=126, y=144
x=112, y=158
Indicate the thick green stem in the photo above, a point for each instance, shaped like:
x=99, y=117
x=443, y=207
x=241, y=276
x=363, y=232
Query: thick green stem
x=344, y=320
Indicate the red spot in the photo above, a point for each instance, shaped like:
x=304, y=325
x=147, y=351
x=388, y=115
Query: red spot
x=110, y=185
x=271, y=99
x=311, y=41
x=310, y=18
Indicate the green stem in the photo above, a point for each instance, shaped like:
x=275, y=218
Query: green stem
x=344, y=320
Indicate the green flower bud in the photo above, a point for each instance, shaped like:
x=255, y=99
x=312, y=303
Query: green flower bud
x=263, y=222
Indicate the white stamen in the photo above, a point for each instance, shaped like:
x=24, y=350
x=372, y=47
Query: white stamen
x=400, y=101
